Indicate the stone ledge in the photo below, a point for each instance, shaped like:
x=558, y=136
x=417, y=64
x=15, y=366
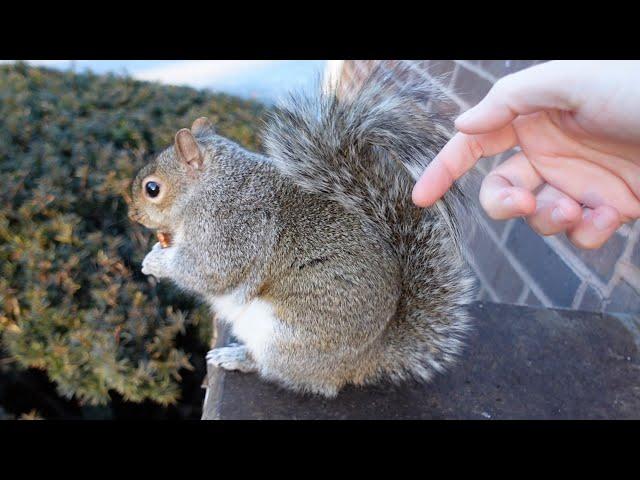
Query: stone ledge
x=520, y=363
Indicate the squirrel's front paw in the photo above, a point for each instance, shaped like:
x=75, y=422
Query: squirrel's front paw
x=235, y=357
x=157, y=261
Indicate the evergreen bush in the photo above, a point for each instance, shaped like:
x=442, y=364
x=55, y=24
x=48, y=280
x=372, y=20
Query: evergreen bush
x=73, y=301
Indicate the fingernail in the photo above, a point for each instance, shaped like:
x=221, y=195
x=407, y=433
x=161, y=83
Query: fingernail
x=558, y=216
x=603, y=222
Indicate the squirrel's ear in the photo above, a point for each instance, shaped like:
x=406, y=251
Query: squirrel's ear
x=202, y=125
x=188, y=150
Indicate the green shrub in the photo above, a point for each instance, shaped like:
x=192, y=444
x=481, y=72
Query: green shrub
x=73, y=300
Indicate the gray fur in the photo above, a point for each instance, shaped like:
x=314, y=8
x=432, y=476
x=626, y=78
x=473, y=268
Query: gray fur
x=365, y=285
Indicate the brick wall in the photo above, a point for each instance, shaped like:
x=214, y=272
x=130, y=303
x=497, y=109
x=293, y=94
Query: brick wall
x=511, y=262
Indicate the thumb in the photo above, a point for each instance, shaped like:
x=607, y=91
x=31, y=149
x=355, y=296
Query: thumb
x=547, y=86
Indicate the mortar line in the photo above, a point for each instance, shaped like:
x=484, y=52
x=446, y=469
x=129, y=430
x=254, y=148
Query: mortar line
x=483, y=280
x=629, y=273
x=577, y=298
x=477, y=70
x=634, y=234
x=517, y=266
x=575, y=264
x=523, y=294
x=507, y=230
x=624, y=230
x=451, y=83
x=444, y=89
x=444, y=78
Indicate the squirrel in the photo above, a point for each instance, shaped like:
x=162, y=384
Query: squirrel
x=313, y=252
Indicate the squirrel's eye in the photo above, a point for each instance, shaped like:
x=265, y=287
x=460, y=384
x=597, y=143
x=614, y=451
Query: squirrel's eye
x=152, y=188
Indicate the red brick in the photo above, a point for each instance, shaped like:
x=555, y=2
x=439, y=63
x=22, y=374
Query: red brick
x=544, y=265
x=500, y=68
x=447, y=108
x=591, y=300
x=532, y=300
x=494, y=266
x=623, y=299
x=470, y=87
x=505, y=281
x=441, y=69
x=603, y=260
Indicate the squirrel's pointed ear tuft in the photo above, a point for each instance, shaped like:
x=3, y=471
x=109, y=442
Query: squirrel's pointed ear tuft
x=188, y=150
x=202, y=125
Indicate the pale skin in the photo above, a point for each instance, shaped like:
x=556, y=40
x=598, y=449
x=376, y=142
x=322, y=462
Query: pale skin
x=577, y=124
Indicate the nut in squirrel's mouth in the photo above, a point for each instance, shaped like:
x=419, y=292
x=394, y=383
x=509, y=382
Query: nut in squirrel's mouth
x=164, y=238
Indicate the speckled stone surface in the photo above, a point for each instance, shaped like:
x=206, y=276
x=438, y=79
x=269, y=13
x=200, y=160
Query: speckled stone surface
x=520, y=363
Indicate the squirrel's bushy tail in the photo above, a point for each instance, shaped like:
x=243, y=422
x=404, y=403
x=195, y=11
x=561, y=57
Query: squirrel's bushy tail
x=350, y=147
x=365, y=149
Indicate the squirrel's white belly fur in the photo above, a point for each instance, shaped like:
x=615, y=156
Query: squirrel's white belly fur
x=253, y=323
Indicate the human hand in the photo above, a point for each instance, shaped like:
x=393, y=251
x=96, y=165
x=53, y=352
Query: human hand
x=578, y=127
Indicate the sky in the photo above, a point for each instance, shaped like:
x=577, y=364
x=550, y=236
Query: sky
x=265, y=80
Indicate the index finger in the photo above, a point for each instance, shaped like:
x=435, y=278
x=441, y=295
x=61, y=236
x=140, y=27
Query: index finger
x=456, y=158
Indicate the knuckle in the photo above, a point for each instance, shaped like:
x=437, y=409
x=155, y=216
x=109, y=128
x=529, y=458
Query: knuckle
x=586, y=242
x=474, y=147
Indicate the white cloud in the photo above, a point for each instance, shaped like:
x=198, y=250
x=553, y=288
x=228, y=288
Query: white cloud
x=199, y=73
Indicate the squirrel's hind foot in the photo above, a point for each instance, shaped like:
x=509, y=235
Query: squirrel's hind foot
x=234, y=357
